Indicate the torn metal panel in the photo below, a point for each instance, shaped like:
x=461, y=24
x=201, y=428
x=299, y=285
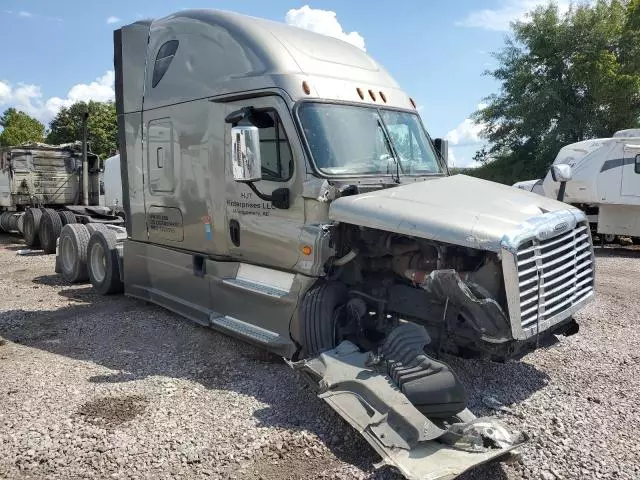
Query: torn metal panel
x=484, y=314
x=405, y=439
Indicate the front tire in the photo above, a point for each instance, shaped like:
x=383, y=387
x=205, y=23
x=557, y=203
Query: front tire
x=318, y=314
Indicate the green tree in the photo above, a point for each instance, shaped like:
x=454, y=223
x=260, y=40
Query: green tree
x=565, y=78
x=102, y=126
x=18, y=128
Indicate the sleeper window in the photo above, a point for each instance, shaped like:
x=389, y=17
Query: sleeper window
x=163, y=59
x=275, y=151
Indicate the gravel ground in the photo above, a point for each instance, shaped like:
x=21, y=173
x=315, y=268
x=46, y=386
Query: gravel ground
x=110, y=387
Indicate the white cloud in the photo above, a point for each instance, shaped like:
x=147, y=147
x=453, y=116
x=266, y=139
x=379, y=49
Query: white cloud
x=25, y=14
x=467, y=133
x=29, y=98
x=324, y=22
x=5, y=92
x=112, y=20
x=499, y=19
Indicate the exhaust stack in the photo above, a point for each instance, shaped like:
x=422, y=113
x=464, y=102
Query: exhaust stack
x=85, y=161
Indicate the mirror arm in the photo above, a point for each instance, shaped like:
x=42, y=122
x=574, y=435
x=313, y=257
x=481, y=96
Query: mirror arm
x=561, y=190
x=280, y=198
x=261, y=196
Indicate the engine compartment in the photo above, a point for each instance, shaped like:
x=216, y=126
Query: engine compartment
x=456, y=293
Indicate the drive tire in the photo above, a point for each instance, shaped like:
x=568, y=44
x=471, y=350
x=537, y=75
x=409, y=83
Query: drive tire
x=32, y=219
x=12, y=222
x=96, y=227
x=317, y=315
x=67, y=217
x=20, y=223
x=50, y=228
x=72, y=253
x=102, y=262
x=4, y=225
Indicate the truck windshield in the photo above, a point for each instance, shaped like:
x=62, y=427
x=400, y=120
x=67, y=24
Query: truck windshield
x=354, y=140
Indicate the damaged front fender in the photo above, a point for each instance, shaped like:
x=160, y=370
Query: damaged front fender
x=405, y=439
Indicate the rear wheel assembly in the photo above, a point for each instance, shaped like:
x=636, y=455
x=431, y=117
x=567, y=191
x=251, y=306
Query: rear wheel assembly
x=50, y=228
x=4, y=221
x=32, y=219
x=20, y=223
x=67, y=217
x=102, y=262
x=12, y=221
x=72, y=254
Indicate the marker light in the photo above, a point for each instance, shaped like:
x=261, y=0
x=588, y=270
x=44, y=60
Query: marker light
x=359, y=90
x=372, y=95
x=383, y=97
x=412, y=102
x=306, y=250
x=306, y=88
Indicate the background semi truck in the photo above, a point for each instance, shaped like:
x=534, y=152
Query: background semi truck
x=279, y=186
x=44, y=187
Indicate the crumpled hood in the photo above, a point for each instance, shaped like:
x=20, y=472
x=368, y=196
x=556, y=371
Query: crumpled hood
x=459, y=209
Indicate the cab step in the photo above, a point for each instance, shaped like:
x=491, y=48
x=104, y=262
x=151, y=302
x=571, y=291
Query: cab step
x=248, y=331
x=265, y=281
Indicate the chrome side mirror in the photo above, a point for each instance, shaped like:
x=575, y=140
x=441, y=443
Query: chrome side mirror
x=561, y=172
x=245, y=153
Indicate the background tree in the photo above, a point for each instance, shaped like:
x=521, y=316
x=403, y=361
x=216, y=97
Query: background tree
x=565, y=78
x=102, y=126
x=18, y=127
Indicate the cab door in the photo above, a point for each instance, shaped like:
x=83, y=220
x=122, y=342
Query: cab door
x=631, y=171
x=259, y=233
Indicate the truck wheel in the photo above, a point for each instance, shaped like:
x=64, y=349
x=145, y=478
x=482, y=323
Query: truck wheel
x=67, y=217
x=50, y=228
x=20, y=224
x=31, y=226
x=73, y=252
x=12, y=222
x=4, y=226
x=318, y=314
x=96, y=227
x=102, y=262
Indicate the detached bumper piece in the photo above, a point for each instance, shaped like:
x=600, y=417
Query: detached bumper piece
x=369, y=400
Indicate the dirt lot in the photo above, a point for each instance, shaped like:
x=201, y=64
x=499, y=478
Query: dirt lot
x=110, y=387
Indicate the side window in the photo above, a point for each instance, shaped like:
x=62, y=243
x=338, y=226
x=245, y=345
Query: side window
x=163, y=59
x=275, y=151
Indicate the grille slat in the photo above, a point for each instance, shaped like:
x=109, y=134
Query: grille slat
x=554, y=274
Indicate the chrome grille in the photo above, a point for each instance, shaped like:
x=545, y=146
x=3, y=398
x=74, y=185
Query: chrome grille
x=554, y=274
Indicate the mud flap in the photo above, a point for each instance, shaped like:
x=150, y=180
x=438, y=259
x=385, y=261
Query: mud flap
x=405, y=439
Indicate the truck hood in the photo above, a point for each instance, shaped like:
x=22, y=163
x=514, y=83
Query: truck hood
x=458, y=209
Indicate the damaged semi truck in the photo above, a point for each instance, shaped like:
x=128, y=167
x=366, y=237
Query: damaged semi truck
x=44, y=187
x=280, y=187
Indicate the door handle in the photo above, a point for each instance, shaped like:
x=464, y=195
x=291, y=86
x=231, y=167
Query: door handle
x=234, y=232
x=160, y=157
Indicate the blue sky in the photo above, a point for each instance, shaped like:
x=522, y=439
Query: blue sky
x=56, y=52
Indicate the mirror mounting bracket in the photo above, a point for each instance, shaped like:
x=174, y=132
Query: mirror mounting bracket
x=280, y=197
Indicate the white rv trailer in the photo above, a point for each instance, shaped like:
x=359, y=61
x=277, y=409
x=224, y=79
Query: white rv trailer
x=605, y=182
